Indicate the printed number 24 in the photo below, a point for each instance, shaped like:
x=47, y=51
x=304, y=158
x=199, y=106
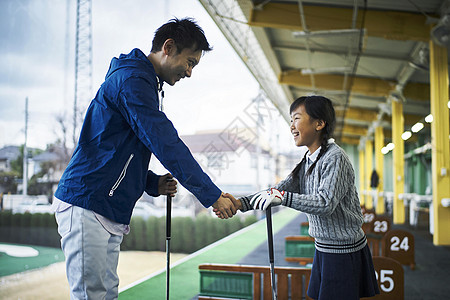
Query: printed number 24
x=397, y=244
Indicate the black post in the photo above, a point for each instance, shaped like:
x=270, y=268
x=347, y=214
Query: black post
x=168, y=236
x=271, y=255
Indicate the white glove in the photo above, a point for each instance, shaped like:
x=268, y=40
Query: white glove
x=263, y=199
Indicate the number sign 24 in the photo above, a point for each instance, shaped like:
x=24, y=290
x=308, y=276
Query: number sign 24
x=397, y=244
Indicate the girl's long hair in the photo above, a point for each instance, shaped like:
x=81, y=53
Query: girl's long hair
x=318, y=108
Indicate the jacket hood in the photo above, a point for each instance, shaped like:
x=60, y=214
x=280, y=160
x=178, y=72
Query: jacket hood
x=136, y=58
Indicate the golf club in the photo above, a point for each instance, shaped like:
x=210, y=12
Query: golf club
x=271, y=255
x=168, y=234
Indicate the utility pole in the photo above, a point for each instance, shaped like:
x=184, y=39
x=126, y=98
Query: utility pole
x=259, y=124
x=25, y=152
x=83, y=62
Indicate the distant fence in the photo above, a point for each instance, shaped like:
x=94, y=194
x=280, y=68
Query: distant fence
x=32, y=229
x=188, y=234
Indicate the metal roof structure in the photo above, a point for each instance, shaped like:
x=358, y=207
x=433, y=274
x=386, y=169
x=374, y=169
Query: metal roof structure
x=360, y=54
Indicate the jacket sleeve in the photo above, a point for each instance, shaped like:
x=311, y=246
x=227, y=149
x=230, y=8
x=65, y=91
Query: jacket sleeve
x=336, y=177
x=151, y=186
x=138, y=103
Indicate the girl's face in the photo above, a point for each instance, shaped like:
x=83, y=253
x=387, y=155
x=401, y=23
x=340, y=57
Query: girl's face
x=306, y=130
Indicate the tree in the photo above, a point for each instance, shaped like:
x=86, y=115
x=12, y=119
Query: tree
x=8, y=182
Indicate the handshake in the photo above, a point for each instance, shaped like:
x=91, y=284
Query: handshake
x=227, y=206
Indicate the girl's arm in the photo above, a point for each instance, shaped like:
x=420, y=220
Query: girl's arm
x=288, y=184
x=336, y=178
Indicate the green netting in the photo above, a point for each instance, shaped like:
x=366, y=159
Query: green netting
x=226, y=284
x=299, y=249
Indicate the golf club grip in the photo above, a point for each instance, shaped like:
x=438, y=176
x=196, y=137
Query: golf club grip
x=168, y=216
x=270, y=233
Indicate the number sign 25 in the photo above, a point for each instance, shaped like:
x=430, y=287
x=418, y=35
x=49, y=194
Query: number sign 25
x=390, y=278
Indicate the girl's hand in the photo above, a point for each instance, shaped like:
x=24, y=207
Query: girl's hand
x=263, y=199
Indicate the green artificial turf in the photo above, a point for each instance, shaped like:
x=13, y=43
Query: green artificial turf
x=11, y=264
x=185, y=277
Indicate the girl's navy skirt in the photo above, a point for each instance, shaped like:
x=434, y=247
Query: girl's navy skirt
x=343, y=276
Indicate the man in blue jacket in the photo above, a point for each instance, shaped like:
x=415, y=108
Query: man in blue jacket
x=109, y=172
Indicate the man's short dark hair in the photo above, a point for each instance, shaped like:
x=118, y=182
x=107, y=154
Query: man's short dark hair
x=186, y=34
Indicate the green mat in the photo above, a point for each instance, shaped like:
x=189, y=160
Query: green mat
x=185, y=276
x=10, y=264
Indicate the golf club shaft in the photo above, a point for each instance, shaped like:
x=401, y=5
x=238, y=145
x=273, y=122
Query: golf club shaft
x=168, y=235
x=271, y=255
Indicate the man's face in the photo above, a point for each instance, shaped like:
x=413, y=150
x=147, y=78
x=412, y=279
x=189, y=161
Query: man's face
x=178, y=65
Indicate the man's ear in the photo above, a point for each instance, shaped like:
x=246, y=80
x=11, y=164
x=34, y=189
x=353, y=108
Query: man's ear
x=169, y=47
x=320, y=125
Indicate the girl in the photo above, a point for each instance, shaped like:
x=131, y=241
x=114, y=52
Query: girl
x=322, y=185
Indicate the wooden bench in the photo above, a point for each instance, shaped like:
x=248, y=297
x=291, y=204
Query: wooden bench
x=304, y=228
x=376, y=244
x=299, y=249
x=219, y=281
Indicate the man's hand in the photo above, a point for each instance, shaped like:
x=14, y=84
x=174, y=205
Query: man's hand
x=224, y=207
x=167, y=185
x=237, y=204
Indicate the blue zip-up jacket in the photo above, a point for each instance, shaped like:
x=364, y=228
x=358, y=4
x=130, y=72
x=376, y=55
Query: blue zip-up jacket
x=108, y=171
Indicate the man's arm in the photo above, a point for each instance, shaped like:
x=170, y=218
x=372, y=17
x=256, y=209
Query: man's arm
x=138, y=103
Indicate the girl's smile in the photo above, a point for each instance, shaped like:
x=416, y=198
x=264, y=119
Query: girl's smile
x=306, y=130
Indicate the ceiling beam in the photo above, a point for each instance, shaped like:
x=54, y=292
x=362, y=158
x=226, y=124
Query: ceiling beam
x=353, y=130
x=369, y=116
x=337, y=52
x=357, y=114
x=385, y=24
x=355, y=140
x=373, y=87
x=350, y=140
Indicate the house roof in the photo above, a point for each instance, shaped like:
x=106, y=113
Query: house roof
x=54, y=153
x=9, y=153
x=223, y=141
x=46, y=156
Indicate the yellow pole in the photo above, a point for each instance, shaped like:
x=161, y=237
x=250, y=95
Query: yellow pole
x=369, y=169
x=362, y=197
x=440, y=153
x=398, y=157
x=379, y=143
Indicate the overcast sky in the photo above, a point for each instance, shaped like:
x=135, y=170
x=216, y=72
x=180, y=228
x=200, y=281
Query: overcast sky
x=38, y=54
